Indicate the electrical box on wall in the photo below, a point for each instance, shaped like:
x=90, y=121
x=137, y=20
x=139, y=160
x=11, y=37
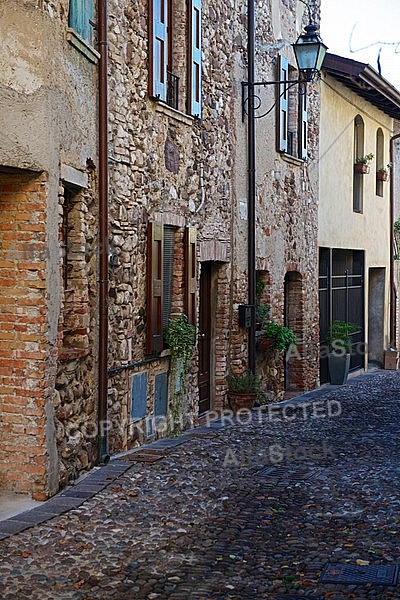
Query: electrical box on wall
x=245, y=315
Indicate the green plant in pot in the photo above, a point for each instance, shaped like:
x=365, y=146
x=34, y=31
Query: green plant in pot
x=277, y=337
x=242, y=390
x=339, y=339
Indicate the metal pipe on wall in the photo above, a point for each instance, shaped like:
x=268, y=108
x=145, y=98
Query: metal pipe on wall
x=103, y=233
x=251, y=202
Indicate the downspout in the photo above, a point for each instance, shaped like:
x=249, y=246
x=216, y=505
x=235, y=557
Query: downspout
x=251, y=201
x=392, y=307
x=102, y=449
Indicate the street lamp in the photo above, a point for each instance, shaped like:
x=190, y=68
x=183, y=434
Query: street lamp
x=309, y=51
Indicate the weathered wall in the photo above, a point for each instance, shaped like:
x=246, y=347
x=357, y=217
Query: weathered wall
x=286, y=200
x=47, y=126
x=166, y=167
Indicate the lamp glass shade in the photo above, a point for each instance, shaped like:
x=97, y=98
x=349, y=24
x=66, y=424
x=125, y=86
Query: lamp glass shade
x=310, y=51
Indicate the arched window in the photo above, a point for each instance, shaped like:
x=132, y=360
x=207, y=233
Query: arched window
x=358, y=152
x=380, y=160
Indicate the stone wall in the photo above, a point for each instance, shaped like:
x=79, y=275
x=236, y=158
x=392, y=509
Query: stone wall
x=169, y=168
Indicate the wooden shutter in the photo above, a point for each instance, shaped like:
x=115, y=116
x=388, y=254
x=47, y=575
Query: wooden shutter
x=159, y=48
x=154, y=336
x=76, y=16
x=303, y=121
x=195, y=58
x=282, y=104
x=168, y=271
x=79, y=17
x=190, y=274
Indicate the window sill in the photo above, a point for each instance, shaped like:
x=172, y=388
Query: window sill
x=293, y=160
x=164, y=109
x=84, y=48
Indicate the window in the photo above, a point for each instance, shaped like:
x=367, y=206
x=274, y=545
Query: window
x=380, y=164
x=171, y=284
x=80, y=18
x=358, y=177
x=175, y=73
x=292, y=118
x=75, y=315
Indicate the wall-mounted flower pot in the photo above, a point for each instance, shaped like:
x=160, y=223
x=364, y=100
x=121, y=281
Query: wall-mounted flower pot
x=382, y=176
x=362, y=168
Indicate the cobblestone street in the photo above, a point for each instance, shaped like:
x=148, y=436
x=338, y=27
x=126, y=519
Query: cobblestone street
x=252, y=508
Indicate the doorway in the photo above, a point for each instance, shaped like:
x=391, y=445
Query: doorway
x=376, y=311
x=204, y=337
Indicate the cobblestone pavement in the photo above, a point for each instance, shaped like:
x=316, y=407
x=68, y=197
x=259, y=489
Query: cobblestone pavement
x=254, y=508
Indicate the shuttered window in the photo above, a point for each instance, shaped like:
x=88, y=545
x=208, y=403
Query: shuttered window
x=159, y=48
x=303, y=121
x=163, y=268
x=80, y=18
x=292, y=116
x=195, y=59
x=175, y=54
x=282, y=124
x=155, y=289
x=168, y=271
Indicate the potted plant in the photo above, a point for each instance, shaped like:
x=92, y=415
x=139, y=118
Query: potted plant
x=383, y=173
x=339, y=340
x=362, y=163
x=242, y=390
x=277, y=337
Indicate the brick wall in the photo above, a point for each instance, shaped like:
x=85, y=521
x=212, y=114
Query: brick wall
x=23, y=346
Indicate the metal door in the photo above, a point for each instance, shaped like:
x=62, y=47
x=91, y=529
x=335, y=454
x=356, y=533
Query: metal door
x=341, y=298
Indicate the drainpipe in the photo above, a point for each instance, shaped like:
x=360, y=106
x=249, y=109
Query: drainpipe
x=102, y=449
x=251, y=201
x=393, y=328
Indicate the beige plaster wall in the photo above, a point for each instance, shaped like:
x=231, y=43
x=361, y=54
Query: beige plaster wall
x=338, y=225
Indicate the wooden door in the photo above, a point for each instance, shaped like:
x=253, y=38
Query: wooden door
x=204, y=338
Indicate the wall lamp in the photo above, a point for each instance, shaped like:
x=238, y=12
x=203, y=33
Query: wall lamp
x=310, y=52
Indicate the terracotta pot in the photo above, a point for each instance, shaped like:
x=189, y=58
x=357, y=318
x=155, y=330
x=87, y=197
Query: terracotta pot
x=362, y=168
x=238, y=400
x=266, y=343
x=381, y=176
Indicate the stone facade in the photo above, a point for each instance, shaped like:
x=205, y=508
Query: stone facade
x=177, y=227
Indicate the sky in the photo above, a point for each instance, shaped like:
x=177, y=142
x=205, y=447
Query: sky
x=358, y=29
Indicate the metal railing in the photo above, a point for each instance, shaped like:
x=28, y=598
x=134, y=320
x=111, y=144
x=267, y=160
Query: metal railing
x=172, y=90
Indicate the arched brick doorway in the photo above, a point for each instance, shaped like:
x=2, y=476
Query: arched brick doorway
x=294, y=318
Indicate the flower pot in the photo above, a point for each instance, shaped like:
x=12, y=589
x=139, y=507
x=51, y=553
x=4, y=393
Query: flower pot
x=266, y=343
x=362, y=168
x=238, y=400
x=381, y=176
x=338, y=367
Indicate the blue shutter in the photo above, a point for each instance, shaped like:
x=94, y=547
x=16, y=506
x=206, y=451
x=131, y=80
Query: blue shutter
x=160, y=48
x=139, y=396
x=282, y=124
x=79, y=17
x=303, y=121
x=195, y=70
x=160, y=394
x=88, y=17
